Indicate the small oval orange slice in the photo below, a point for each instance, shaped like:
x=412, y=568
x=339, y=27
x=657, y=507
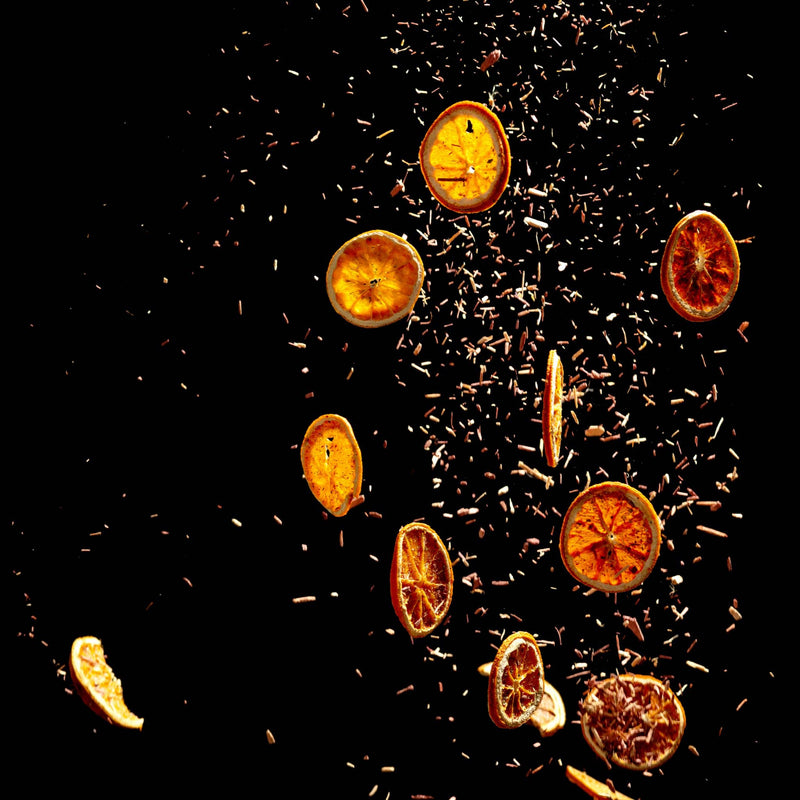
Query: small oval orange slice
x=551, y=411
x=700, y=267
x=97, y=685
x=516, y=681
x=421, y=579
x=465, y=158
x=374, y=279
x=610, y=537
x=632, y=721
x=331, y=460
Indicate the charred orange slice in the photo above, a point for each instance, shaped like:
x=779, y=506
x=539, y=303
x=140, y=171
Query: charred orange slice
x=374, y=279
x=610, y=537
x=421, y=579
x=632, y=721
x=516, y=681
x=700, y=267
x=97, y=685
x=465, y=158
x=331, y=461
x=551, y=412
x=593, y=787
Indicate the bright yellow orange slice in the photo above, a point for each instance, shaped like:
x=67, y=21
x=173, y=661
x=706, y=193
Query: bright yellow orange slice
x=610, y=537
x=465, y=158
x=551, y=411
x=374, y=279
x=331, y=461
x=516, y=681
x=97, y=685
x=700, y=267
x=421, y=580
x=632, y=721
x=593, y=787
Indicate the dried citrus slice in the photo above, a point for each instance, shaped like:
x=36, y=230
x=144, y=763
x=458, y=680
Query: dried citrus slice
x=465, y=157
x=97, y=685
x=374, y=279
x=550, y=715
x=421, y=579
x=610, y=537
x=700, y=267
x=632, y=721
x=516, y=681
x=331, y=461
x=593, y=787
x=551, y=412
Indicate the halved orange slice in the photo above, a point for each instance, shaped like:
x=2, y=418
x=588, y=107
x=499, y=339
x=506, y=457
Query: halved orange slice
x=374, y=279
x=331, y=461
x=421, y=579
x=465, y=157
x=551, y=411
x=700, y=267
x=97, y=685
x=610, y=537
x=593, y=787
x=516, y=681
x=632, y=721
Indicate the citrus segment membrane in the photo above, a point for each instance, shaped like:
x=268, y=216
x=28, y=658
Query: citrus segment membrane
x=632, y=721
x=97, y=685
x=374, y=279
x=421, y=579
x=551, y=412
x=465, y=158
x=610, y=537
x=331, y=460
x=516, y=681
x=700, y=267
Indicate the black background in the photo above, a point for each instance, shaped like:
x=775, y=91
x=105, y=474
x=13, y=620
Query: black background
x=157, y=399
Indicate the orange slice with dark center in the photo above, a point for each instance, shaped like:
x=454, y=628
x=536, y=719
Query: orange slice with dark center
x=465, y=158
x=700, y=267
x=551, y=411
x=331, y=460
x=421, y=580
x=610, y=537
x=516, y=681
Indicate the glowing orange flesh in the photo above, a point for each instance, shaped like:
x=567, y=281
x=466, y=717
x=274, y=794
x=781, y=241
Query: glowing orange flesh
x=516, y=681
x=421, y=579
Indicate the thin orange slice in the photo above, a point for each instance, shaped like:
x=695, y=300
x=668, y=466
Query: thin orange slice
x=465, y=158
x=593, y=787
x=700, y=267
x=551, y=412
x=97, y=685
x=516, y=681
x=632, y=721
x=550, y=715
x=421, y=579
x=374, y=279
x=610, y=537
x=331, y=461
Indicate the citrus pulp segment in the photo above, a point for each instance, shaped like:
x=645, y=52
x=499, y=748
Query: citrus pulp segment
x=421, y=579
x=465, y=158
x=331, y=460
x=610, y=537
x=551, y=412
x=700, y=267
x=374, y=279
x=97, y=685
x=632, y=721
x=516, y=681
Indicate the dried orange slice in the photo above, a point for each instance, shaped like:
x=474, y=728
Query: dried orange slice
x=421, y=579
x=632, y=721
x=551, y=412
x=465, y=158
x=700, y=267
x=610, y=537
x=593, y=787
x=374, y=279
x=550, y=715
x=516, y=681
x=331, y=461
x=97, y=685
